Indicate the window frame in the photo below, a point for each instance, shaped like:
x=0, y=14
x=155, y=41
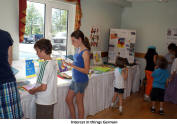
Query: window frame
x=58, y=4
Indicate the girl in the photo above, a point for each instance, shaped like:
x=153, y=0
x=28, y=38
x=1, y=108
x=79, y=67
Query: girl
x=80, y=70
x=150, y=57
x=121, y=74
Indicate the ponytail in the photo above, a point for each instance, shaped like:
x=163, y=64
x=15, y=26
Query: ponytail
x=86, y=43
x=79, y=34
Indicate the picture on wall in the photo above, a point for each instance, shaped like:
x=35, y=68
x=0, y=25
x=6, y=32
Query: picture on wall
x=94, y=36
x=171, y=35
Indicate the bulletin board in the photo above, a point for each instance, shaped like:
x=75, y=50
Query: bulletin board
x=121, y=43
x=171, y=35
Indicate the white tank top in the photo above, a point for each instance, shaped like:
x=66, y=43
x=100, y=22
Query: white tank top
x=119, y=81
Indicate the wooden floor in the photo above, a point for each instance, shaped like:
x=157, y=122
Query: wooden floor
x=136, y=108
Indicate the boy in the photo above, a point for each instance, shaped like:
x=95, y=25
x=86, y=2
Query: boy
x=46, y=86
x=160, y=76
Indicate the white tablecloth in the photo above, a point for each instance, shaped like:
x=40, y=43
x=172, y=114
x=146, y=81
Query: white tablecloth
x=98, y=94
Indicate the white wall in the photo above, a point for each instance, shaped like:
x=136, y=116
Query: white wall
x=151, y=20
x=103, y=14
x=9, y=21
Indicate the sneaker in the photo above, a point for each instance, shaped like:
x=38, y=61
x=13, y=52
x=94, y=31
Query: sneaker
x=120, y=111
x=112, y=105
x=161, y=112
x=152, y=110
x=147, y=99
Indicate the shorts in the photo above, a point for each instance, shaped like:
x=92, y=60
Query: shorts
x=44, y=111
x=157, y=94
x=78, y=87
x=118, y=90
x=10, y=103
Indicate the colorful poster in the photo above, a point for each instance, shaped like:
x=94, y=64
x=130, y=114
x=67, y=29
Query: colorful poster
x=97, y=59
x=94, y=36
x=113, y=36
x=121, y=43
x=30, y=70
x=171, y=36
x=61, y=66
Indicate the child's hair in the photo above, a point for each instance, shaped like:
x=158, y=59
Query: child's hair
x=172, y=46
x=44, y=44
x=150, y=52
x=120, y=62
x=162, y=62
x=79, y=34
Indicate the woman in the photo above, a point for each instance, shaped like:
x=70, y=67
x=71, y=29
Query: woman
x=81, y=66
x=10, y=106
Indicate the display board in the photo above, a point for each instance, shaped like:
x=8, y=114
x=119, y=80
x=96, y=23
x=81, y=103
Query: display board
x=121, y=43
x=171, y=36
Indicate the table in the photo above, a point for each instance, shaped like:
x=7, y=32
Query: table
x=98, y=94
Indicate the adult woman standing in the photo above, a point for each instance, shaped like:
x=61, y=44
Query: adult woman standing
x=81, y=66
x=10, y=106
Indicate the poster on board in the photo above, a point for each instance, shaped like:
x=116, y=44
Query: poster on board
x=171, y=35
x=121, y=43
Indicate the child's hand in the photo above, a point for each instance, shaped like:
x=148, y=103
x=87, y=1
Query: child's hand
x=31, y=91
x=67, y=63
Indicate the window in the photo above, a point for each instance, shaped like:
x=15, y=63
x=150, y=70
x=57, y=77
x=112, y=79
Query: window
x=51, y=20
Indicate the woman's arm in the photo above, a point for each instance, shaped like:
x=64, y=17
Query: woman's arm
x=86, y=57
x=10, y=55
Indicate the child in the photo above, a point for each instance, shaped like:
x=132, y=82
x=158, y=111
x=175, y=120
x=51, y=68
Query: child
x=150, y=58
x=170, y=55
x=46, y=86
x=160, y=76
x=121, y=74
x=174, y=64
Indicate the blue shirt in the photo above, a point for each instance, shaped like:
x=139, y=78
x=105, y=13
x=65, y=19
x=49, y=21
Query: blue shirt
x=78, y=76
x=160, y=77
x=6, y=74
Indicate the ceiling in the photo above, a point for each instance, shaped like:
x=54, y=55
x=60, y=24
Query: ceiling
x=127, y=2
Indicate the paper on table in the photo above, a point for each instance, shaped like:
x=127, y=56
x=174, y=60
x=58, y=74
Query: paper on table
x=20, y=66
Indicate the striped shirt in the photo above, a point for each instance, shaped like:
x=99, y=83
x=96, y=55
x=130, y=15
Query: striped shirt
x=47, y=75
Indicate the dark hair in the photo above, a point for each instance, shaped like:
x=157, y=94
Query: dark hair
x=150, y=53
x=44, y=44
x=121, y=62
x=79, y=34
x=162, y=62
x=172, y=47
